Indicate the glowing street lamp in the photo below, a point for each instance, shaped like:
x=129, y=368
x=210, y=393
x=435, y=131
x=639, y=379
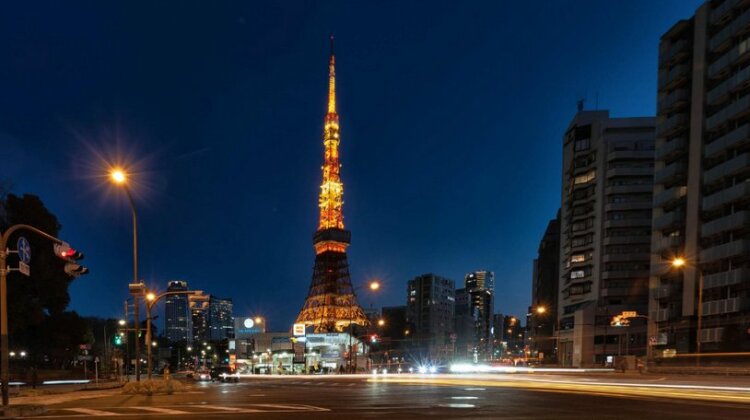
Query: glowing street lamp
x=118, y=176
x=150, y=296
x=678, y=262
x=541, y=310
x=381, y=322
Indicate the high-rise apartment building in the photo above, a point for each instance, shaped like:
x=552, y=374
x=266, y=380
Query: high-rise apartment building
x=480, y=288
x=464, y=326
x=542, y=317
x=430, y=309
x=220, y=320
x=199, y=317
x=177, y=314
x=702, y=184
x=605, y=235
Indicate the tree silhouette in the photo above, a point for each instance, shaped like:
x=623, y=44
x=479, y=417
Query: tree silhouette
x=37, y=319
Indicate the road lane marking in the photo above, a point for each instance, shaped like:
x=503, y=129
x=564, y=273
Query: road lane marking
x=294, y=407
x=91, y=412
x=220, y=408
x=160, y=410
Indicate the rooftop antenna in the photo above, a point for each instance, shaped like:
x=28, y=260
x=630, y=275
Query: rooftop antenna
x=579, y=105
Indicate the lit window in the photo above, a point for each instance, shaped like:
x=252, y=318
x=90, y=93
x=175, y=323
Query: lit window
x=577, y=274
x=578, y=258
x=585, y=178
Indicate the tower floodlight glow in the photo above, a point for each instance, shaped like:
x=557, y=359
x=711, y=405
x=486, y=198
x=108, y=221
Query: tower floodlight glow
x=678, y=262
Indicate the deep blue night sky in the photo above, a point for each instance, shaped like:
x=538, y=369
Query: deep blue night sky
x=452, y=116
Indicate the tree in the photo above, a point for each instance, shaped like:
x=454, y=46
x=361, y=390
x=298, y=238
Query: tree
x=37, y=319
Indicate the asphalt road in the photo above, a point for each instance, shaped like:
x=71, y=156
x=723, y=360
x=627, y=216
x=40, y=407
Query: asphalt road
x=354, y=398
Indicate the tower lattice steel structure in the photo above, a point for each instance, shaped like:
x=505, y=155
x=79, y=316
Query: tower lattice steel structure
x=331, y=303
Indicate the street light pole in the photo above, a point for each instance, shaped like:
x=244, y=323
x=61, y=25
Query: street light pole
x=135, y=281
x=119, y=177
x=680, y=262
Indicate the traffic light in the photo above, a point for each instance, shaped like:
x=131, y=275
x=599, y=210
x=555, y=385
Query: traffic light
x=70, y=255
x=374, y=338
x=118, y=340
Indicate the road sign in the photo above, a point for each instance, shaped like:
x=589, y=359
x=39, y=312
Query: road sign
x=629, y=314
x=24, y=268
x=85, y=358
x=298, y=329
x=24, y=250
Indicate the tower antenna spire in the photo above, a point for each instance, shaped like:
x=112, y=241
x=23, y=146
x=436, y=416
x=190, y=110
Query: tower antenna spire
x=332, y=82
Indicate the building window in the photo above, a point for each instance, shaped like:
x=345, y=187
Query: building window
x=577, y=274
x=576, y=258
x=582, y=144
x=585, y=178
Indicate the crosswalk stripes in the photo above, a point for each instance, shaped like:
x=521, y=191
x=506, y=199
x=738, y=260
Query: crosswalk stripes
x=91, y=412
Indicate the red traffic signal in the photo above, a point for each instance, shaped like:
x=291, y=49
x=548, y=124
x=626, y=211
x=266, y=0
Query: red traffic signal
x=64, y=251
x=374, y=338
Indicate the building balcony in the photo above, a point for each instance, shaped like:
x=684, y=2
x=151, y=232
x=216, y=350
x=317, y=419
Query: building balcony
x=725, y=278
x=631, y=205
x=670, y=173
x=732, y=249
x=735, y=221
x=722, y=91
x=671, y=149
x=726, y=196
x=722, y=65
x=630, y=155
x=738, y=137
x=620, y=240
x=670, y=196
x=628, y=189
x=626, y=257
x=722, y=12
x=675, y=52
x=673, y=78
x=726, y=306
x=730, y=112
x=674, y=100
x=664, y=291
x=617, y=291
x=632, y=171
x=671, y=125
x=729, y=168
x=627, y=223
x=625, y=274
x=669, y=220
x=660, y=315
x=668, y=243
x=724, y=37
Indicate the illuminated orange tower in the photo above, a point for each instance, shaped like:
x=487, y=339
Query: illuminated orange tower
x=331, y=303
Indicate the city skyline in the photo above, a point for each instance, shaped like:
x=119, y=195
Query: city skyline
x=402, y=222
